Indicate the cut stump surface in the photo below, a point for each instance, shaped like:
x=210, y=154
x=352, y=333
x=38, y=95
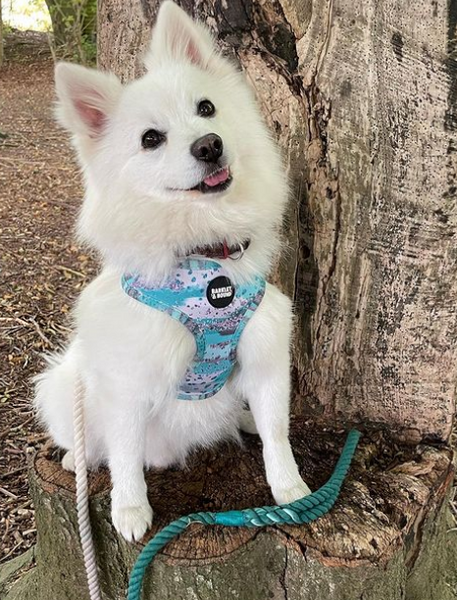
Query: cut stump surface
x=388, y=519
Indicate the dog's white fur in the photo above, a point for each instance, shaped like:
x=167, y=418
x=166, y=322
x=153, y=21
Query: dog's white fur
x=131, y=358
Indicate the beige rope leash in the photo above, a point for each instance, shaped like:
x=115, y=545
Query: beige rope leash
x=82, y=494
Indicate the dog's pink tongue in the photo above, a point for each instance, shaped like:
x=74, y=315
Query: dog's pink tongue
x=217, y=178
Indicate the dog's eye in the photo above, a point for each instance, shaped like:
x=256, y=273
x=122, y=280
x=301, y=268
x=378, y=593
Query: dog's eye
x=206, y=108
x=152, y=138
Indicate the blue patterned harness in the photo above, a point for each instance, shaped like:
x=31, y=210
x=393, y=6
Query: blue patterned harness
x=189, y=296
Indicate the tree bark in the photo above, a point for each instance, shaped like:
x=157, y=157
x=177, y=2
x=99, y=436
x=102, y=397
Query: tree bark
x=1, y=36
x=386, y=539
x=362, y=99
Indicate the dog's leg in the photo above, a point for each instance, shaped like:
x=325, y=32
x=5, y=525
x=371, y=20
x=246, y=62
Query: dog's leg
x=54, y=397
x=159, y=452
x=125, y=440
x=68, y=461
x=247, y=422
x=264, y=379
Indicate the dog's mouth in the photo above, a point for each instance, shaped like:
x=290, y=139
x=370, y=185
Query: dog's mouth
x=218, y=181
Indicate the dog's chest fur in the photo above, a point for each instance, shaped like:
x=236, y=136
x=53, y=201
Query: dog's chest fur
x=120, y=336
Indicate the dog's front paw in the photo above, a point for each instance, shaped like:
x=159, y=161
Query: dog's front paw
x=132, y=522
x=290, y=494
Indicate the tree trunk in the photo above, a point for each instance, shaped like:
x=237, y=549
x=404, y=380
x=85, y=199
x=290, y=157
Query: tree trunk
x=1, y=36
x=385, y=539
x=363, y=99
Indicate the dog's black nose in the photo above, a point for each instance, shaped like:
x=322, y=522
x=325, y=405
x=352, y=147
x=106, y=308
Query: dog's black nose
x=208, y=148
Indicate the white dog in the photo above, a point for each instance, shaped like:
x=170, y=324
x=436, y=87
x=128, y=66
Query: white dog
x=176, y=164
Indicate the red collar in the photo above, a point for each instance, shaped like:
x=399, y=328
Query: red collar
x=222, y=251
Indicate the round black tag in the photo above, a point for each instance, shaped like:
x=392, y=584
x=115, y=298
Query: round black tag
x=220, y=292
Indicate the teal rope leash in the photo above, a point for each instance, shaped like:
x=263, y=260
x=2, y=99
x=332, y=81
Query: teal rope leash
x=301, y=511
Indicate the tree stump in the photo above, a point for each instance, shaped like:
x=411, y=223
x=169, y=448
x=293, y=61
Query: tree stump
x=384, y=540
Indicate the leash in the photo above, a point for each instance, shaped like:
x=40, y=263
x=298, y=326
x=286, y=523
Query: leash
x=82, y=495
x=301, y=511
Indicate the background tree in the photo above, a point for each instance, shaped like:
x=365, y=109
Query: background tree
x=1, y=35
x=74, y=28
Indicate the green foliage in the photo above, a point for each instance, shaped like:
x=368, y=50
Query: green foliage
x=74, y=29
x=89, y=48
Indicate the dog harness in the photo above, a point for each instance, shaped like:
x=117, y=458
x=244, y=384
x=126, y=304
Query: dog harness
x=201, y=296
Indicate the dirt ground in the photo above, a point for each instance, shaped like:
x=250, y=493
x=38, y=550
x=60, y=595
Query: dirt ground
x=42, y=269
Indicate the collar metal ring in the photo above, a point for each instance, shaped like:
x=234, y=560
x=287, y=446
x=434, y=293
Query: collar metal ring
x=238, y=255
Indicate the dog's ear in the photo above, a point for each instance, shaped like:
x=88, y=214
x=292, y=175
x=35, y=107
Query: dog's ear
x=177, y=37
x=86, y=98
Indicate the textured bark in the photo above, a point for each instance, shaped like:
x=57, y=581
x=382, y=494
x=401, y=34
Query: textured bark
x=385, y=538
x=362, y=98
x=1, y=36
